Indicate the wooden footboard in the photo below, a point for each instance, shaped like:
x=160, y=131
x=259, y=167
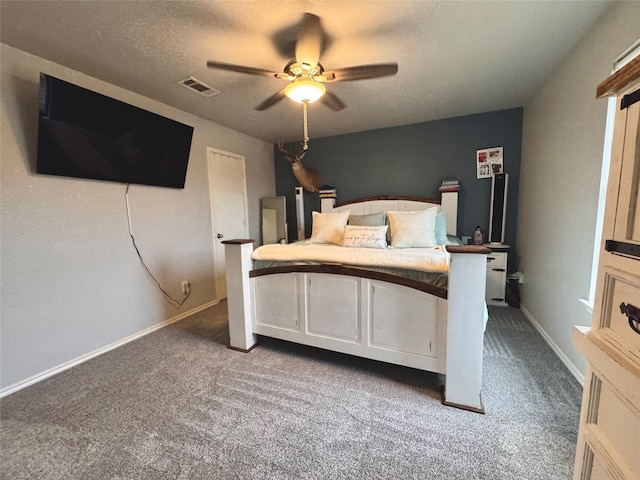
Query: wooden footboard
x=369, y=314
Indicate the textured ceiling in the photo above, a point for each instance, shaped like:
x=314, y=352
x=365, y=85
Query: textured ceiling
x=455, y=58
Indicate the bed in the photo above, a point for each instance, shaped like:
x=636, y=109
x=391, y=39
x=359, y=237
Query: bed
x=432, y=320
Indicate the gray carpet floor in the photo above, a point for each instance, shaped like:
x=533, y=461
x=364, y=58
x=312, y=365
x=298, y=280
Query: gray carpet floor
x=177, y=404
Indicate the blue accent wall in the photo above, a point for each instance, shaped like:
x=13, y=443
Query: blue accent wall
x=413, y=160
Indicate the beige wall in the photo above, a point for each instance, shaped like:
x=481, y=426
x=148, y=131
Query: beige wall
x=71, y=282
x=562, y=152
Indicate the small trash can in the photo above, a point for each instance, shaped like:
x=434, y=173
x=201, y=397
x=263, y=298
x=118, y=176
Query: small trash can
x=512, y=293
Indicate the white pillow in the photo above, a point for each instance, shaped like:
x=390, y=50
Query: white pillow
x=413, y=229
x=365, y=236
x=328, y=227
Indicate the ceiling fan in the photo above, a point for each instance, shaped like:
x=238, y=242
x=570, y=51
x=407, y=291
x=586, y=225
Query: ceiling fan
x=305, y=73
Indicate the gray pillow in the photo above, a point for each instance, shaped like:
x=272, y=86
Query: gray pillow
x=370, y=220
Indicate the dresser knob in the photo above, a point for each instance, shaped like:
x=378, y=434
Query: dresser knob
x=633, y=313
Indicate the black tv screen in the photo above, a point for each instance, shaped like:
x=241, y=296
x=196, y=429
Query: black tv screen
x=84, y=134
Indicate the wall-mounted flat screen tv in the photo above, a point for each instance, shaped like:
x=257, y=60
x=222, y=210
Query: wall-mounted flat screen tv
x=84, y=134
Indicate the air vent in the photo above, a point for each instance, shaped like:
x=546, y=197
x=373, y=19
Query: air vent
x=199, y=87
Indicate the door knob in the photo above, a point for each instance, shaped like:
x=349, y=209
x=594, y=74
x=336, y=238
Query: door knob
x=219, y=235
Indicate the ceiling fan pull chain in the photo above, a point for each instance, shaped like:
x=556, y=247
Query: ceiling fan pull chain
x=305, y=104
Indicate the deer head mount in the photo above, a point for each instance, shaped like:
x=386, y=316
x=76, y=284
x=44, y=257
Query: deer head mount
x=308, y=178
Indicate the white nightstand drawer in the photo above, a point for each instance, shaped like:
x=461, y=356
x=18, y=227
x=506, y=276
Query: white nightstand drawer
x=497, y=260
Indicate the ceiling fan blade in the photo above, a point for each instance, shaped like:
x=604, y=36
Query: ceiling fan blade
x=362, y=72
x=271, y=101
x=332, y=101
x=309, y=41
x=241, y=69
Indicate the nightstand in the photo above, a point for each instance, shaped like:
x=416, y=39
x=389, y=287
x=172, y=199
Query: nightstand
x=496, y=274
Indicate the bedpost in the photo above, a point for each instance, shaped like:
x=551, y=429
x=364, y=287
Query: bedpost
x=237, y=254
x=326, y=204
x=465, y=327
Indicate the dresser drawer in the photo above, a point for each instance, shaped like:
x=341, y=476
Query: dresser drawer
x=611, y=433
x=610, y=418
x=621, y=291
x=616, y=424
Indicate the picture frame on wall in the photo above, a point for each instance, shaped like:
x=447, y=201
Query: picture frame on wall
x=489, y=161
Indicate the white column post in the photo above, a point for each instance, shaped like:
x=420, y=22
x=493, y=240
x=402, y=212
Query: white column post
x=300, y=212
x=465, y=327
x=239, y=302
x=449, y=205
x=326, y=204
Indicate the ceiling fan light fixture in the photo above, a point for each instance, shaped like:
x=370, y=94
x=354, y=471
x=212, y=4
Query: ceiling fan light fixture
x=304, y=89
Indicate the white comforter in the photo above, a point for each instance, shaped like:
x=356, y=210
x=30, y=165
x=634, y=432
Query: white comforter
x=423, y=259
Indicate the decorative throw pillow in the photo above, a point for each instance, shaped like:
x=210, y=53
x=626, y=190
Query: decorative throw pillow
x=371, y=219
x=441, y=229
x=328, y=227
x=413, y=229
x=365, y=236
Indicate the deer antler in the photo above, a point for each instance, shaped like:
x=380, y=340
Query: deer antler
x=308, y=178
x=290, y=155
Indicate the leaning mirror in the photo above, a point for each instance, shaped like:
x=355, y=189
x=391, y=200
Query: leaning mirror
x=273, y=220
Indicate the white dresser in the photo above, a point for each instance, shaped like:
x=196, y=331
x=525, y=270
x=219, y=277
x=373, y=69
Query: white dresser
x=609, y=435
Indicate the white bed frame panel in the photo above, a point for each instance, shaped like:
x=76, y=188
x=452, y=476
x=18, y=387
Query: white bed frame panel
x=358, y=316
x=368, y=317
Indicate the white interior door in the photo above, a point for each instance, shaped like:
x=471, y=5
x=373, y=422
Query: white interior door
x=228, y=197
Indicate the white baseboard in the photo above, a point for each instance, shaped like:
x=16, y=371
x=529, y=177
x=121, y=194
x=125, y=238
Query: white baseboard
x=579, y=376
x=72, y=363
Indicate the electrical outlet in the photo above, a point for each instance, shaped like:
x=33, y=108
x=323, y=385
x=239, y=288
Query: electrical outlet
x=186, y=287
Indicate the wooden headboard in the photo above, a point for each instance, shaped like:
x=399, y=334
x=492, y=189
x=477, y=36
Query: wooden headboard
x=385, y=203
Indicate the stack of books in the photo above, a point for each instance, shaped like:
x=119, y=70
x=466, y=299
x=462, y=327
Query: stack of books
x=327, y=191
x=450, y=186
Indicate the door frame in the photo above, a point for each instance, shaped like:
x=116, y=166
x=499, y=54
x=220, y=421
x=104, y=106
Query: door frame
x=218, y=248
